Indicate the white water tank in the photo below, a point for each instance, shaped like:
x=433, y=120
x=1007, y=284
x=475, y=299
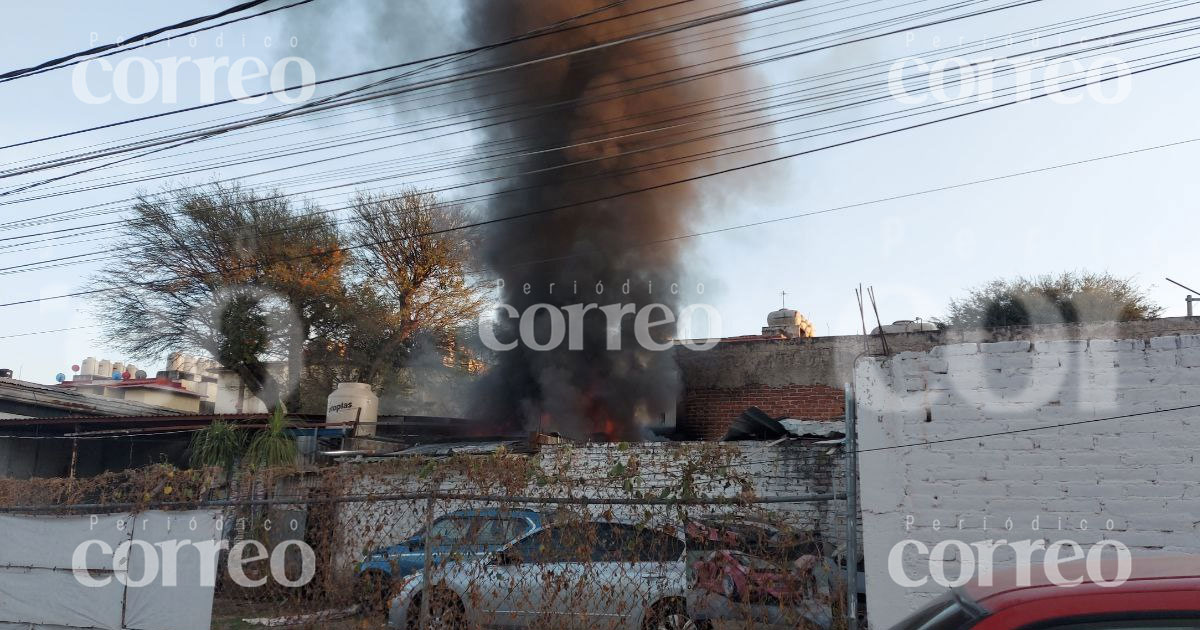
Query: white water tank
x=132, y=369
x=88, y=367
x=104, y=368
x=354, y=401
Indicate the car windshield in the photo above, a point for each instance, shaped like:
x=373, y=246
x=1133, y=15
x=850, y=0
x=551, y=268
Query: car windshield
x=945, y=613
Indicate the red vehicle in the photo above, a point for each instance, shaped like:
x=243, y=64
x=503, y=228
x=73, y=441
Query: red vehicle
x=1160, y=593
x=747, y=579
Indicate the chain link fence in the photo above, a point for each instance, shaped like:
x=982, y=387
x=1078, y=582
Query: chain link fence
x=612, y=536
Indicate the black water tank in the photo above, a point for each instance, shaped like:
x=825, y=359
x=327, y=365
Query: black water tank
x=5, y=373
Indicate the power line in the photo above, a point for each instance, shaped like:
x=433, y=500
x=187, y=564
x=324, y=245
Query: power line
x=980, y=436
x=606, y=96
x=462, y=76
x=552, y=209
x=75, y=213
x=1027, y=429
x=562, y=103
x=522, y=189
x=143, y=179
x=691, y=118
x=639, y=62
x=494, y=69
x=110, y=48
x=779, y=139
x=405, y=64
x=107, y=211
x=44, y=332
x=235, y=116
x=410, y=496
x=144, y=43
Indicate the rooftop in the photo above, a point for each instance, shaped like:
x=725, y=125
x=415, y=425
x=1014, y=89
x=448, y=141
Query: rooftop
x=140, y=383
x=72, y=402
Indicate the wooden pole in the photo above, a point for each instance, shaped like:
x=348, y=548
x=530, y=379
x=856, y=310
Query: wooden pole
x=74, y=454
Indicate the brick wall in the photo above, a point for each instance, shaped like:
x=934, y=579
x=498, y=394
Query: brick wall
x=1134, y=480
x=708, y=412
x=729, y=377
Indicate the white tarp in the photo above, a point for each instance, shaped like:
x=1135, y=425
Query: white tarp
x=39, y=590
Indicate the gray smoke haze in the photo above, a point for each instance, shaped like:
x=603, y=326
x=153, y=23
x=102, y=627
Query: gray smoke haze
x=560, y=113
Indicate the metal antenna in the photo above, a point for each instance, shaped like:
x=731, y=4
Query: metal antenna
x=858, y=293
x=875, y=307
x=862, y=317
x=1189, y=297
x=783, y=298
x=1181, y=286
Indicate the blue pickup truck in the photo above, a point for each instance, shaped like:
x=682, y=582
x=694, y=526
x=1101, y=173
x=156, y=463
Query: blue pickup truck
x=459, y=534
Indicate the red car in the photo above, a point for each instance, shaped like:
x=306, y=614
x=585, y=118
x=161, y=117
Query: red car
x=1160, y=593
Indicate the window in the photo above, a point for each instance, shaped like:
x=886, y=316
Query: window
x=498, y=531
x=548, y=545
x=625, y=543
x=449, y=530
x=477, y=530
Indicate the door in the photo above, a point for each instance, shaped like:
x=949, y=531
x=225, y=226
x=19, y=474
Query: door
x=632, y=568
x=526, y=585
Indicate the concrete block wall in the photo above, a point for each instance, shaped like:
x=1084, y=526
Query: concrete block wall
x=785, y=469
x=721, y=382
x=1133, y=479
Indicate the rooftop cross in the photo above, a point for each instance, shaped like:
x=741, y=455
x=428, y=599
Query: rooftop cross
x=783, y=298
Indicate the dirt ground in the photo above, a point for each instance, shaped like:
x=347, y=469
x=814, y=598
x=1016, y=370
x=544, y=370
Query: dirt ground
x=232, y=615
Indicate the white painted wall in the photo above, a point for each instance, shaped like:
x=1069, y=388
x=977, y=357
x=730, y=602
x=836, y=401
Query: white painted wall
x=38, y=594
x=1142, y=473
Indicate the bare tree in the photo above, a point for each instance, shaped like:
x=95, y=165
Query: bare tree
x=224, y=271
x=250, y=279
x=411, y=278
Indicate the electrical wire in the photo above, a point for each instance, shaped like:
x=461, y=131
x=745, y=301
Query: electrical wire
x=622, y=194
x=337, y=78
x=44, y=332
x=112, y=48
x=488, y=71
x=517, y=89
x=1077, y=20
x=1015, y=69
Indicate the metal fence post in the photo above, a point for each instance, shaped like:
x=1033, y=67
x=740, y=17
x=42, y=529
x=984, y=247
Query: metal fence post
x=851, y=512
x=427, y=587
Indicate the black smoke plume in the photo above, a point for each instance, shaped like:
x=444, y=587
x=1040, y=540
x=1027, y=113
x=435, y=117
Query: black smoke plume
x=603, y=113
x=575, y=129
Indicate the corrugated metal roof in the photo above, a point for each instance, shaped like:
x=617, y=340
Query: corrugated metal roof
x=53, y=397
x=168, y=417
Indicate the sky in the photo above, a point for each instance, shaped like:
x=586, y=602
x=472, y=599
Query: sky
x=1127, y=216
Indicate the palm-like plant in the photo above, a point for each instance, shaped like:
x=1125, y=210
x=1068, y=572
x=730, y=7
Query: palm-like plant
x=272, y=446
x=218, y=444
